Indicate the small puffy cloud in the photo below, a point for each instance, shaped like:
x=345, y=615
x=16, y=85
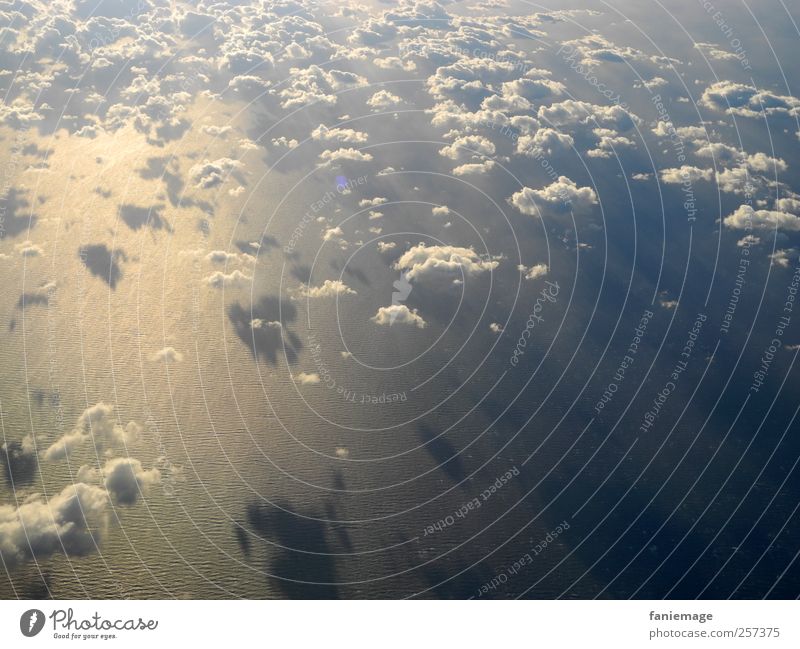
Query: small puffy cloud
x=545, y=141
x=780, y=258
x=398, y=314
x=98, y=423
x=167, y=355
x=372, y=202
x=534, y=272
x=496, y=328
x=216, y=131
x=344, y=135
x=746, y=217
x=685, y=174
x=386, y=246
x=124, y=478
x=329, y=288
x=747, y=101
x=608, y=142
x=65, y=522
x=474, y=168
x=210, y=174
x=259, y=323
x=29, y=249
x=221, y=257
x=424, y=261
x=441, y=210
x=235, y=279
x=333, y=234
x=468, y=145
x=330, y=156
x=748, y=240
x=284, y=142
x=307, y=379
x=562, y=193
x=383, y=99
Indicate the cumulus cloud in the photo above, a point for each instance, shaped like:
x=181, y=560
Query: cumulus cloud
x=423, y=261
x=685, y=174
x=372, y=202
x=307, y=379
x=471, y=168
x=352, y=155
x=167, y=355
x=747, y=101
x=496, y=328
x=329, y=288
x=398, y=314
x=468, y=145
x=386, y=246
x=344, y=135
x=39, y=528
x=534, y=272
x=210, y=174
x=235, y=279
x=781, y=258
x=745, y=216
x=546, y=141
x=563, y=193
x=29, y=249
x=383, y=99
x=97, y=423
x=124, y=478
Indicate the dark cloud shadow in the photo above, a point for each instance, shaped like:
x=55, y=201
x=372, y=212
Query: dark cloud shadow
x=19, y=464
x=305, y=567
x=19, y=216
x=103, y=263
x=136, y=217
x=443, y=453
x=256, y=328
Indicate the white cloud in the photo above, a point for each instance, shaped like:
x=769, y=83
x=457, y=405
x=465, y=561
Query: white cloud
x=99, y=424
x=372, y=202
x=234, y=279
x=124, y=478
x=747, y=101
x=496, y=328
x=424, y=261
x=545, y=141
x=781, y=257
x=29, y=249
x=383, y=99
x=685, y=174
x=349, y=154
x=210, y=174
x=39, y=528
x=398, y=314
x=345, y=135
x=534, y=272
x=329, y=288
x=474, y=168
x=307, y=379
x=745, y=216
x=167, y=355
x=468, y=145
x=386, y=246
x=562, y=193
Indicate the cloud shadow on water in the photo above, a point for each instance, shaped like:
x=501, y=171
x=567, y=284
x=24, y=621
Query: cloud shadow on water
x=256, y=328
x=103, y=263
x=305, y=567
